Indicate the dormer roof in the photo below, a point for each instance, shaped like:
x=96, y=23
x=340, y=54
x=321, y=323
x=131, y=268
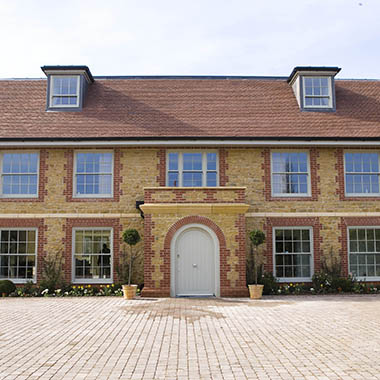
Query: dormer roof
x=312, y=70
x=69, y=70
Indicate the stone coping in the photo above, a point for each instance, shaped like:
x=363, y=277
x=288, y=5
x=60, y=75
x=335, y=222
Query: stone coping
x=195, y=208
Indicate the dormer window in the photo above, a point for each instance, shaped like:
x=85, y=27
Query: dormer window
x=317, y=91
x=314, y=87
x=67, y=87
x=64, y=91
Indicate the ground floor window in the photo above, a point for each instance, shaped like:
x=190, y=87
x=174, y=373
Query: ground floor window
x=18, y=248
x=293, y=253
x=364, y=252
x=92, y=256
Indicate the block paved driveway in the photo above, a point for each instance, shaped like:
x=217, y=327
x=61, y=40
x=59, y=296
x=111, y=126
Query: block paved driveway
x=315, y=337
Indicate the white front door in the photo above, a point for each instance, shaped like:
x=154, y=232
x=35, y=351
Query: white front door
x=195, y=263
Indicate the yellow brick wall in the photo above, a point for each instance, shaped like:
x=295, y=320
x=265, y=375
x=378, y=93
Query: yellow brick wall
x=245, y=168
x=139, y=170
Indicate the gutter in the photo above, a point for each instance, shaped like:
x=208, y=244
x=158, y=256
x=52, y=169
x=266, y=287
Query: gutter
x=190, y=142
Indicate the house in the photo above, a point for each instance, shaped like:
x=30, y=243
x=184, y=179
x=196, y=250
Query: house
x=204, y=160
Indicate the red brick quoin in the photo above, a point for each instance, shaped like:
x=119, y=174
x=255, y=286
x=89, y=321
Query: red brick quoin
x=226, y=288
x=293, y=222
x=88, y=223
x=41, y=240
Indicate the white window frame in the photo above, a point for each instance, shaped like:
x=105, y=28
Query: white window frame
x=34, y=279
x=362, y=173
x=360, y=278
x=204, y=167
x=91, y=280
x=292, y=195
x=23, y=196
x=294, y=279
x=51, y=94
x=75, y=194
x=330, y=104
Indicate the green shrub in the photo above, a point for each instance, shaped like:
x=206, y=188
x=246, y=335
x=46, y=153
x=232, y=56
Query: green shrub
x=253, y=266
x=321, y=282
x=343, y=284
x=269, y=282
x=28, y=289
x=52, y=272
x=7, y=287
x=125, y=265
x=131, y=236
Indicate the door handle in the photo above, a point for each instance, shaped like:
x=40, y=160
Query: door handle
x=195, y=265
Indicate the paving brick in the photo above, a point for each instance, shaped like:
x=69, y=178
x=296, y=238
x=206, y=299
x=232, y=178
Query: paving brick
x=311, y=337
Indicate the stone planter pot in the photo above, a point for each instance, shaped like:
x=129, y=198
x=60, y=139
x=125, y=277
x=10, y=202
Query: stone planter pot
x=255, y=291
x=129, y=291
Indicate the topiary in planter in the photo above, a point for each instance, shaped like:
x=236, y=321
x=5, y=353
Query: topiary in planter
x=7, y=287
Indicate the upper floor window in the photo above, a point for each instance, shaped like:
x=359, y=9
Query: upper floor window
x=293, y=253
x=361, y=173
x=317, y=92
x=64, y=91
x=192, y=169
x=19, y=174
x=93, y=174
x=290, y=174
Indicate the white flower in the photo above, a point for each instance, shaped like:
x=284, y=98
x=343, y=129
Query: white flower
x=45, y=291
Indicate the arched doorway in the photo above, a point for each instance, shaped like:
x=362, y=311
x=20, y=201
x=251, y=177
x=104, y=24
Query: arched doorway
x=194, y=262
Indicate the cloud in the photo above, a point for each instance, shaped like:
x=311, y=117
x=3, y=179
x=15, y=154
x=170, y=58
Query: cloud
x=190, y=37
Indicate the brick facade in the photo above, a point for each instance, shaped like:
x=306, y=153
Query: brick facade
x=244, y=175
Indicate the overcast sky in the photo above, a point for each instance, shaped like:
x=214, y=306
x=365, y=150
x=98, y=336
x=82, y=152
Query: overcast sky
x=190, y=37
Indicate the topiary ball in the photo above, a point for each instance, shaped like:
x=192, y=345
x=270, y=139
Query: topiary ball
x=131, y=236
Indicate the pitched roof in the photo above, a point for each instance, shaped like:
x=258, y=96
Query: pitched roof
x=159, y=108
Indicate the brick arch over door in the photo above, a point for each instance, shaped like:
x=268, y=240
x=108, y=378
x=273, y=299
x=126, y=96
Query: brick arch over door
x=224, y=267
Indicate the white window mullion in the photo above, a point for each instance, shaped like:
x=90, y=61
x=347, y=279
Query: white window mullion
x=180, y=170
x=204, y=169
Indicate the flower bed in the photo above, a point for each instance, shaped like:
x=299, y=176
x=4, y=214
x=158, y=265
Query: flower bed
x=31, y=290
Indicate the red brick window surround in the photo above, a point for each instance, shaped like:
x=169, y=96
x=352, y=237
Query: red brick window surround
x=222, y=165
x=41, y=240
x=340, y=179
x=69, y=179
x=161, y=167
x=42, y=179
x=313, y=182
x=85, y=223
x=292, y=222
x=353, y=222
